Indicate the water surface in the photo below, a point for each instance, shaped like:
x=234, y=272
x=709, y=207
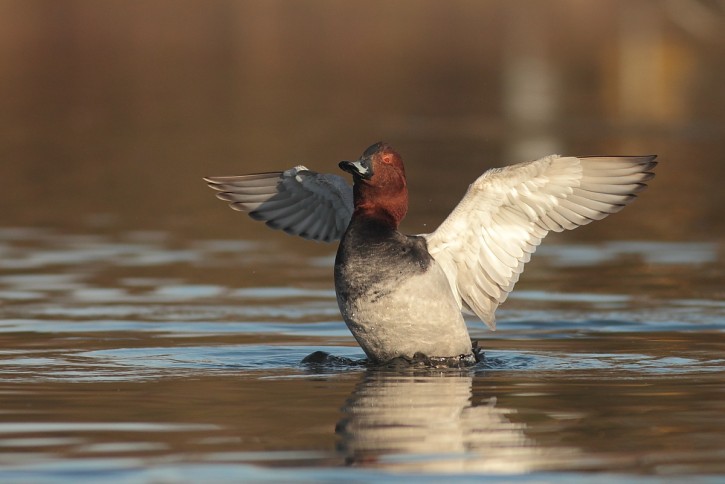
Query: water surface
x=126, y=357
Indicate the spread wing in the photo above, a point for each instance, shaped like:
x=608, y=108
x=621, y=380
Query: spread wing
x=484, y=243
x=299, y=201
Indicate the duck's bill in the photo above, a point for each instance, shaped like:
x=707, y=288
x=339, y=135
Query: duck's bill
x=362, y=168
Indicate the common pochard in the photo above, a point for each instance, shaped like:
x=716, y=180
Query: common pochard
x=403, y=295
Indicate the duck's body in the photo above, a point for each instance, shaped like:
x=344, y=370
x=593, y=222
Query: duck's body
x=394, y=296
x=402, y=295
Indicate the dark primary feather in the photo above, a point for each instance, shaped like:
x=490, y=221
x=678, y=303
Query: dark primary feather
x=298, y=201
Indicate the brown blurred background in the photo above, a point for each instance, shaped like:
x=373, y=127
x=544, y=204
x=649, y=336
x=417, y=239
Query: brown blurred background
x=111, y=111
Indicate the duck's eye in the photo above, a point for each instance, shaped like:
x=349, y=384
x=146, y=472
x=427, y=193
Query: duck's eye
x=387, y=159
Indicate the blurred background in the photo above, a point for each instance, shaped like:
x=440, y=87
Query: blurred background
x=112, y=111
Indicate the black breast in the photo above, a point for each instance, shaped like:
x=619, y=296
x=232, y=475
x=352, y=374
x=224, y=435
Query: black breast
x=374, y=259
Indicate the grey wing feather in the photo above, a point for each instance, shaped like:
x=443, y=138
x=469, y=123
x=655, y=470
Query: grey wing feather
x=298, y=201
x=484, y=243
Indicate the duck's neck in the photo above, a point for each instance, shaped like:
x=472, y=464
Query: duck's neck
x=385, y=206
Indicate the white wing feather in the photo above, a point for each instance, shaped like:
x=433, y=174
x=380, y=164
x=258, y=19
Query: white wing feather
x=299, y=201
x=485, y=242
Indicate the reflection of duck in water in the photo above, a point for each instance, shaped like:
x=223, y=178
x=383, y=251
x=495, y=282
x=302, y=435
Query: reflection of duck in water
x=402, y=295
x=426, y=421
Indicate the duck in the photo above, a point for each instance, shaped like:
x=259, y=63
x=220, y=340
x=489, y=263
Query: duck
x=404, y=296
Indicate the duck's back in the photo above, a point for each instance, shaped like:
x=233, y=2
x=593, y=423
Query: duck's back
x=394, y=296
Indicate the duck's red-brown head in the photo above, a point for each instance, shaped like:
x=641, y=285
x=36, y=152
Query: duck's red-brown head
x=379, y=184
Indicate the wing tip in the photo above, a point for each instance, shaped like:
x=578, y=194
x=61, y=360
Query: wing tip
x=635, y=158
x=225, y=196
